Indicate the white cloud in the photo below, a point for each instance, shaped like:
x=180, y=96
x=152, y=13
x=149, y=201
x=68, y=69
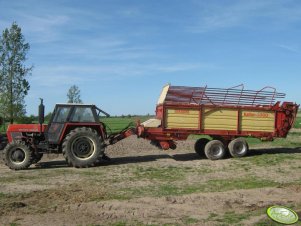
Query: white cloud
x=68, y=75
x=240, y=13
x=290, y=48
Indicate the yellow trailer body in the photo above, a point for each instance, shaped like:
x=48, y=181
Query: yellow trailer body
x=208, y=118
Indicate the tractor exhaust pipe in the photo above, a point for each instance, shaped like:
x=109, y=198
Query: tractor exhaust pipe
x=41, y=114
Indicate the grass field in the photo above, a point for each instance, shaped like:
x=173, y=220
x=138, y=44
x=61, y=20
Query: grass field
x=298, y=121
x=116, y=124
x=144, y=186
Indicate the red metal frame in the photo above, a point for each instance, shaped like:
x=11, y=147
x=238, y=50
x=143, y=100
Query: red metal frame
x=36, y=128
x=221, y=97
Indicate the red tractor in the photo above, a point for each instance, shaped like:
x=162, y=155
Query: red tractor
x=74, y=130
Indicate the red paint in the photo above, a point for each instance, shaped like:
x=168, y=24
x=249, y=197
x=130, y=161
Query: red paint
x=24, y=128
x=256, y=114
x=285, y=116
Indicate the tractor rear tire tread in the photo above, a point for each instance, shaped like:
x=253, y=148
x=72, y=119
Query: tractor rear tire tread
x=73, y=160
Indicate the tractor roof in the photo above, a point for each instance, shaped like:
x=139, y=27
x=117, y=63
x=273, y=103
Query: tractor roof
x=75, y=104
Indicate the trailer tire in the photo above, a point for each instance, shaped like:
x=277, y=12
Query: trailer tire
x=199, y=146
x=17, y=155
x=215, y=150
x=83, y=148
x=238, y=147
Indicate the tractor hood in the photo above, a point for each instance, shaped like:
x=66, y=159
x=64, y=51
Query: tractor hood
x=26, y=128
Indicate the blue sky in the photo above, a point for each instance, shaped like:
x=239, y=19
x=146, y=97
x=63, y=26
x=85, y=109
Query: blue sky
x=121, y=52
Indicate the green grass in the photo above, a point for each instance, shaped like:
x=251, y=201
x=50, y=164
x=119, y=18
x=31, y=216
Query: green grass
x=117, y=124
x=270, y=159
x=229, y=218
x=123, y=223
x=170, y=189
x=170, y=173
x=14, y=224
x=3, y=128
x=17, y=178
x=269, y=222
x=234, y=218
x=189, y=220
x=298, y=121
x=3, y=195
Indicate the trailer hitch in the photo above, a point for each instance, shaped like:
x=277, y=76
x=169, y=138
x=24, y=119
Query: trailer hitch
x=122, y=135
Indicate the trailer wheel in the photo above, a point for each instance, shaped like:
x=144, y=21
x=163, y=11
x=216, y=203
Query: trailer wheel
x=17, y=155
x=83, y=147
x=215, y=150
x=199, y=146
x=238, y=148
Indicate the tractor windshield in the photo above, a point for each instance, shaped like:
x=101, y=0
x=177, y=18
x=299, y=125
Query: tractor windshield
x=82, y=114
x=61, y=114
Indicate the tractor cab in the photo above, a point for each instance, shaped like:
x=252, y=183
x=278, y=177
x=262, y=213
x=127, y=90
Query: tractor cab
x=74, y=113
x=66, y=117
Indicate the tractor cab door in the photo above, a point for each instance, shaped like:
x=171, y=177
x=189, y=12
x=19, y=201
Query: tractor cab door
x=56, y=125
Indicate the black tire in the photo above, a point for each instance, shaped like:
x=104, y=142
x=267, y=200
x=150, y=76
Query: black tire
x=215, y=150
x=199, y=146
x=2, y=145
x=238, y=148
x=17, y=155
x=3, y=142
x=83, y=147
x=37, y=157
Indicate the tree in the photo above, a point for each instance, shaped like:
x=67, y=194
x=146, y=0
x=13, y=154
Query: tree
x=13, y=72
x=73, y=95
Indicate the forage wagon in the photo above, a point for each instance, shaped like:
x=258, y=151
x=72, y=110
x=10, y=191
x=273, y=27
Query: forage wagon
x=227, y=116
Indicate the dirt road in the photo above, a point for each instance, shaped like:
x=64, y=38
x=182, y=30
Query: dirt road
x=145, y=186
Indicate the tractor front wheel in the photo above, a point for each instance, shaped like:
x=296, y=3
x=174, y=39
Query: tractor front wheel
x=17, y=155
x=83, y=147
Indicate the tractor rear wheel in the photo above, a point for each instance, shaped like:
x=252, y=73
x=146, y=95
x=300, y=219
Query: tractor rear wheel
x=83, y=147
x=199, y=146
x=17, y=155
x=238, y=148
x=215, y=150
